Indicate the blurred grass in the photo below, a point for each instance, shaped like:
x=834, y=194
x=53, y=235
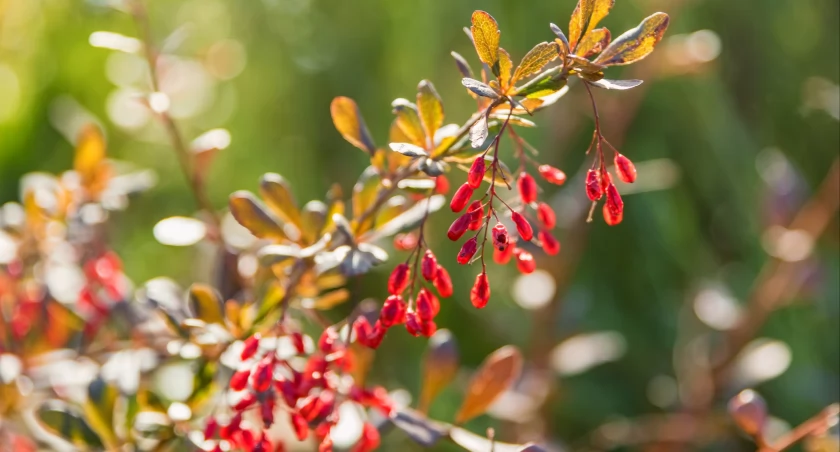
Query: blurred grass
x=634, y=279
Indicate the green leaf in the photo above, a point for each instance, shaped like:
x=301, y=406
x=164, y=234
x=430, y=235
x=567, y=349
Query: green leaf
x=635, y=44
x=277, y=194
x=486, y=34
x=250, y=213
x=430, y=108
x=206, y=304
x=585, y=17
x=496, y=374
x=350, y=124
x=440, y=366
x=61, y=420
x=543, y=87
x=533, y=62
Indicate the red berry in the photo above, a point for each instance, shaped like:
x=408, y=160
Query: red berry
x=251, y=346
x=522, y=226
x=545, y=215
x=611, y=219
x=467, y=251
x=367, y=335
x=405, y=242
x=210, y=428
x=328, y=340
x=246, y=401
x=442, y=282
x=606, y=181
x=261, y=379
x=419, y=327
x=461, y=198
x=476, y=173
x=480, y=293
x=369, y=441
x=398, y=280
x=326, y=445
x=458, y=227
x=625, y=169
x=427, y=304
x=593, y=185
x=239, y=380
x=428, y=267
x=297, y=340
x=393, y=311
x=503, y=257
x=500, y=237
x=550, y=244
x=525, y=261
x=476, y=213
x=527, y=188
x=300, y=425
x=441, y=185
x=552, y=174
x=614, y=202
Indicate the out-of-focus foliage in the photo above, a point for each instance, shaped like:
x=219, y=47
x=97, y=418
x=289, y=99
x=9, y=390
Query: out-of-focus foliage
x=734, y=128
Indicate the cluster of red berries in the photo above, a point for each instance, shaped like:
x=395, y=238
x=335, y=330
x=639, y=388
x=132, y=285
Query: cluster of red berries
x=104, y=286
x=311, y=396
x=599, y=183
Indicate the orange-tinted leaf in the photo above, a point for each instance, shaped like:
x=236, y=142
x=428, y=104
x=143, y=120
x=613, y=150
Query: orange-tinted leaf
x=277, y=195
x=496, y=374
x=364, y=194
x=350, y=124
x=249, y=212
x=485, y=34
x=408, y=121
x=206, y=304
x=635, y=44
x=585, y=66
x=505, y=68
x=585, y=17
x=439, y=366
x=430, y=108
x=593, y=43
x=542, y=54
x=89, y=160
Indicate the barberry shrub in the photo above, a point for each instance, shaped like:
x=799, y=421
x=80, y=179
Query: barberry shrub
x=252, y=361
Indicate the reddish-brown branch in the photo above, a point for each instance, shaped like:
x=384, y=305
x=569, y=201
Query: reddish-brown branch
x=815, y=425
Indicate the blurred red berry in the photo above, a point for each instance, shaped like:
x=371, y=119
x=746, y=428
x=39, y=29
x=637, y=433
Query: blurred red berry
x=461, y=198
x=606, y=181
x=405, y=242
x=300, y=426
x=393, y=311
x=527, y=188
x=441, y=185
x=246, y=401
x=546, y=216
x=263, y=375
x=476, y=173
x=297, y=341
x=610, y=218
x=370, y=439
x=476, y=213
x=458, y=227
x=239, y=380
x=428, y=267
x=419, y=327
x=552, y=174
x=522, y=226
x=550, y=244
x=328, y=340
x=503, y=257
x=614, y=202
x=480, y=293
x=442, y=282
x=467, y=251
x=593, y=185
x=250, y=347
x=524, y=261
x=426, y=304
x=398, y=281
x=625, y=169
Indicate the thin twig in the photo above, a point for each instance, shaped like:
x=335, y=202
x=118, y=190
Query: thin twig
x=812, y=426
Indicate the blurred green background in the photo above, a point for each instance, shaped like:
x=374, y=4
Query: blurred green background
x=738, y=119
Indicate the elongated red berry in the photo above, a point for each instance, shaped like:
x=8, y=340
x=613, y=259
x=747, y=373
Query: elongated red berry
x=393, y=311
x=550, y=244
x=503, y=257
x=297, y=341
x=442, y=282
x=329, y=340
x=458, y=227
x=427, y=304
x=300, y=425
x=593, y=185
x=428, y=266
x=552, y=175
x=611, y=219
x=606, y=181
x=247, y=400
x=524, y=261
x=419, y=327
x=210, y=427
x=239, y=380
x=476, y=173
x=476, y=213
x=250, y=348
x=263, y=375
x=480, y=293
x=405, y=242
x=500, y=237
x=625, y=169
x=461, y=198
x=398, y=280
x=614, y=202
x=467, y=251
x=522, y=226
x=370, y=439
x=545, y=215
x=367, y=335
x=527, y=188
x=441, y=185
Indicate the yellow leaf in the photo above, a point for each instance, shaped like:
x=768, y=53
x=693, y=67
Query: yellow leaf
x=350, y=124
x=439, y=366
x=635, y=44
x=593, y=43
x=408, y=123
x=485, y=32
x=252, y=216
x=277, y=195
x=430, y=108
x=585, y=17
x=505, y=68
x=331, y=299
x=89, y=160
x=206, y=304
x=585, y=66
x=542, y=54
x=496, y=374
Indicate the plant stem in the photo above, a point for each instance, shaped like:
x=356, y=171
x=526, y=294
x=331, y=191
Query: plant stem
x=815, y=425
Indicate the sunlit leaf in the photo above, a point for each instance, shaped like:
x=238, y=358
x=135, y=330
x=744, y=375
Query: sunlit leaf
x=476, y=443
x=635, y=44
x=408, y=121
x=99, y=409
x=249, y=212
x=533, y=62
x=409, y=219
x=206, y=304
x=312, y=219
x=61, y=420
x=439, y=366
x=332, y=299
x=419, y=428
x=397, y=204
x=544, y=87
x=514, y=120
x=616, y=84
x=90, y=157
x=486, y=34
x=585, y=17
x=408, y=149
x=350, y=124
x=587, y=67
x=463, y=66
x=496, y=374
x=179, y=231
x=594, y=42
x=278, y=197
x=479, y=132
x=479, y=88
x=505, y=68
x=364, y=194
x=430, y=108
